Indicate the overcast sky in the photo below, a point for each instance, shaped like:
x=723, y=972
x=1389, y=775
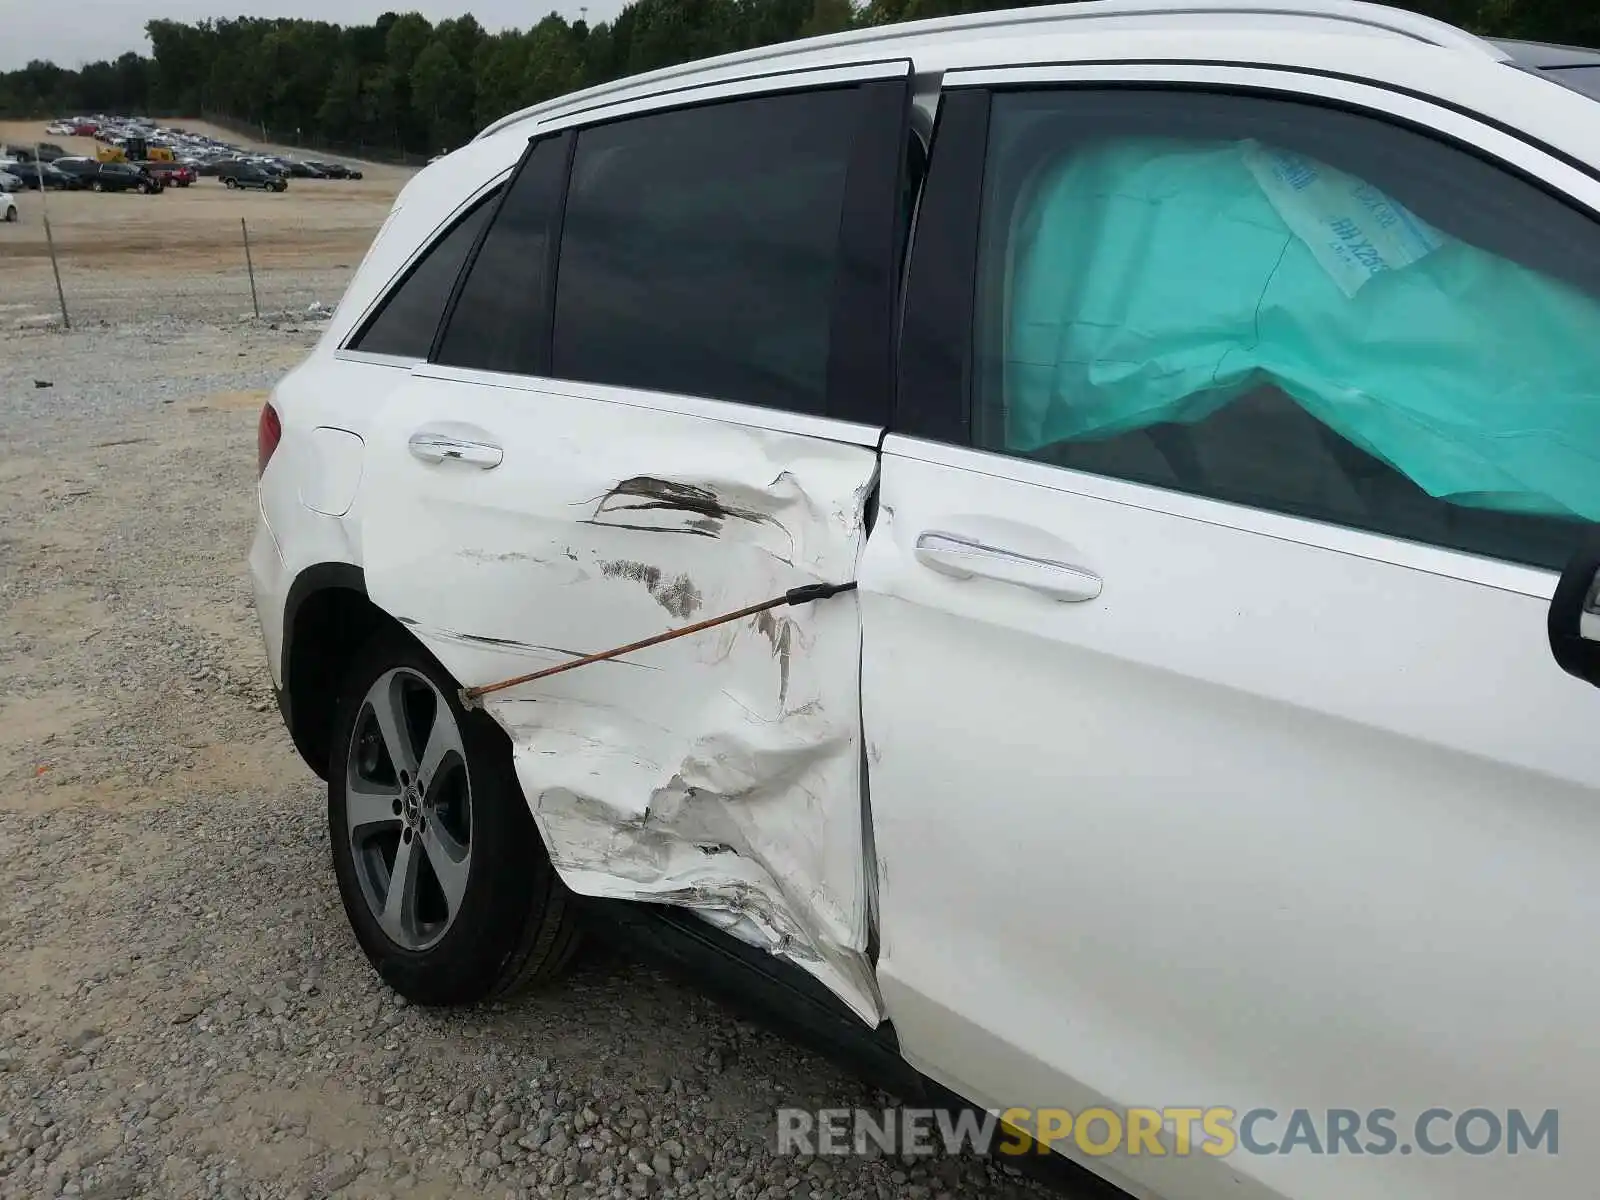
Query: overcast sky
x=81, y=31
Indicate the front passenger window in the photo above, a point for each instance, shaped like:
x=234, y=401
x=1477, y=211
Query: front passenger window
x=1292, y=308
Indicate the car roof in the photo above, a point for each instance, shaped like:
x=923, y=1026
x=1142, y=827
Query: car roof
x=1575, y=67
x=1548, y=55
x=969, y=33
x=1388, y=49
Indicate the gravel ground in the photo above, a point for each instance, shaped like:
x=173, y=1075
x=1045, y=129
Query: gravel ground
x=183, y=1011
x=99, y=296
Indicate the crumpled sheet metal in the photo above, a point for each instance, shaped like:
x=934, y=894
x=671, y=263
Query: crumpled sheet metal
x=721, y=771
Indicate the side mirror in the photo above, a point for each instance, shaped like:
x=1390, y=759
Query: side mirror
x=1575, y=615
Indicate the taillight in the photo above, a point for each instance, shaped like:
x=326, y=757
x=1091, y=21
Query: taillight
x=269, y=431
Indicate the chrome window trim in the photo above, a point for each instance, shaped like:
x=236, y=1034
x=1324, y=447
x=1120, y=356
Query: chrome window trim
x=730, y=412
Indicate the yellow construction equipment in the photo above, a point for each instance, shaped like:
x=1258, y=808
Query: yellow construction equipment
x=135, y=150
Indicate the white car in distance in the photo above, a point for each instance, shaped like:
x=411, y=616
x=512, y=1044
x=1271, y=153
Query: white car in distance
x=1202, y=400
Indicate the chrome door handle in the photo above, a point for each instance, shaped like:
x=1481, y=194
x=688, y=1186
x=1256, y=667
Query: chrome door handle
x=962, y=558
x=442, y=447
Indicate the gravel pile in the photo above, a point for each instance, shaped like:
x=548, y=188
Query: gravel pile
x=183, y=1011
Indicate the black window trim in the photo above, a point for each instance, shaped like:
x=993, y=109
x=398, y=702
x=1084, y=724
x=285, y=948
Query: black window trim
x=1290, y=73
x=866, y=286
x=454, y=297
x=864, y=307
x=552, y=250
x=482, y=195
x=937, y=333
x=778, y=82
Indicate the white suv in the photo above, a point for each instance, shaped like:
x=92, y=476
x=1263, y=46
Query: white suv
x=1205, y=400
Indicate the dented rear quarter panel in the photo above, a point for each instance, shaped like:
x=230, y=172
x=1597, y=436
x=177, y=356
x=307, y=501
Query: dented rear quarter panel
x=720, y=771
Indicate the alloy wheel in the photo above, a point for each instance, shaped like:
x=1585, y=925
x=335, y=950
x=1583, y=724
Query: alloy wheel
x=408, y=807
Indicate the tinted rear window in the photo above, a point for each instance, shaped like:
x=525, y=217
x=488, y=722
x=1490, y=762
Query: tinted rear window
x=502, y=320
x=700, y=246
x=409, y=318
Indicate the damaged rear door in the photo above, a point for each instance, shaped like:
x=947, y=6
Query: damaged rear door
x=684, y=424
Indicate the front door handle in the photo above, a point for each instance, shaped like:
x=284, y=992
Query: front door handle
x=962, y=558
x=434, y=447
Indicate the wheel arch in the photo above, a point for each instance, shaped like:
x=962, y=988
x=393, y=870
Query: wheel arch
x=327, y=617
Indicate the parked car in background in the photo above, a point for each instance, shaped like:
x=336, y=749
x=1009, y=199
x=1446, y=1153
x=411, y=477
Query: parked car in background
x=36, y=175
x=55, y=177
x=78, y=167
x=334, y=170
x=125, y=177
x=10, y=182
x=172, y=174
x=43, y=152
x=137, y=137
x=1200, y=400
x=248, y=176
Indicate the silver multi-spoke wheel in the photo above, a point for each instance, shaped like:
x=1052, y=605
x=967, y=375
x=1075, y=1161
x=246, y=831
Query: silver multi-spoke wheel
x=440, y=866
x=408, y=808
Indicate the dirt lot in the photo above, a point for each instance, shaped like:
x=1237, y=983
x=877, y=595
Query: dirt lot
x=183, y=250
x=183, y=1011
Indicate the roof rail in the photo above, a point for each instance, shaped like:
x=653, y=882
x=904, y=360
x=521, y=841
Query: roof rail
x=1381, y=17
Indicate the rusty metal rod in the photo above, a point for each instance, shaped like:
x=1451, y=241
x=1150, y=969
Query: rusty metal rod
x=800, y=595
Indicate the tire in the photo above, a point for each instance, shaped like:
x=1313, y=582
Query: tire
x=97, y=186
x=230, y=183
x=513, y=924
x=11, y=216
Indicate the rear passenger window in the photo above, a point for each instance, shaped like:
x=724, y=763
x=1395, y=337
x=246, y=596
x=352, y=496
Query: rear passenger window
x=1293, y=308
x=699, y=250
x=406, y=323
x=501, y=321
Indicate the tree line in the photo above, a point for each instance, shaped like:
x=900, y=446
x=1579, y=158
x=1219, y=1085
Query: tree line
x=406, y=84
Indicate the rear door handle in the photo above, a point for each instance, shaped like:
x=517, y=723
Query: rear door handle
x=435, y=447
x=962, y=558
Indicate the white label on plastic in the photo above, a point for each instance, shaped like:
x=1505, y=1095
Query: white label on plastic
x=1354, y=230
